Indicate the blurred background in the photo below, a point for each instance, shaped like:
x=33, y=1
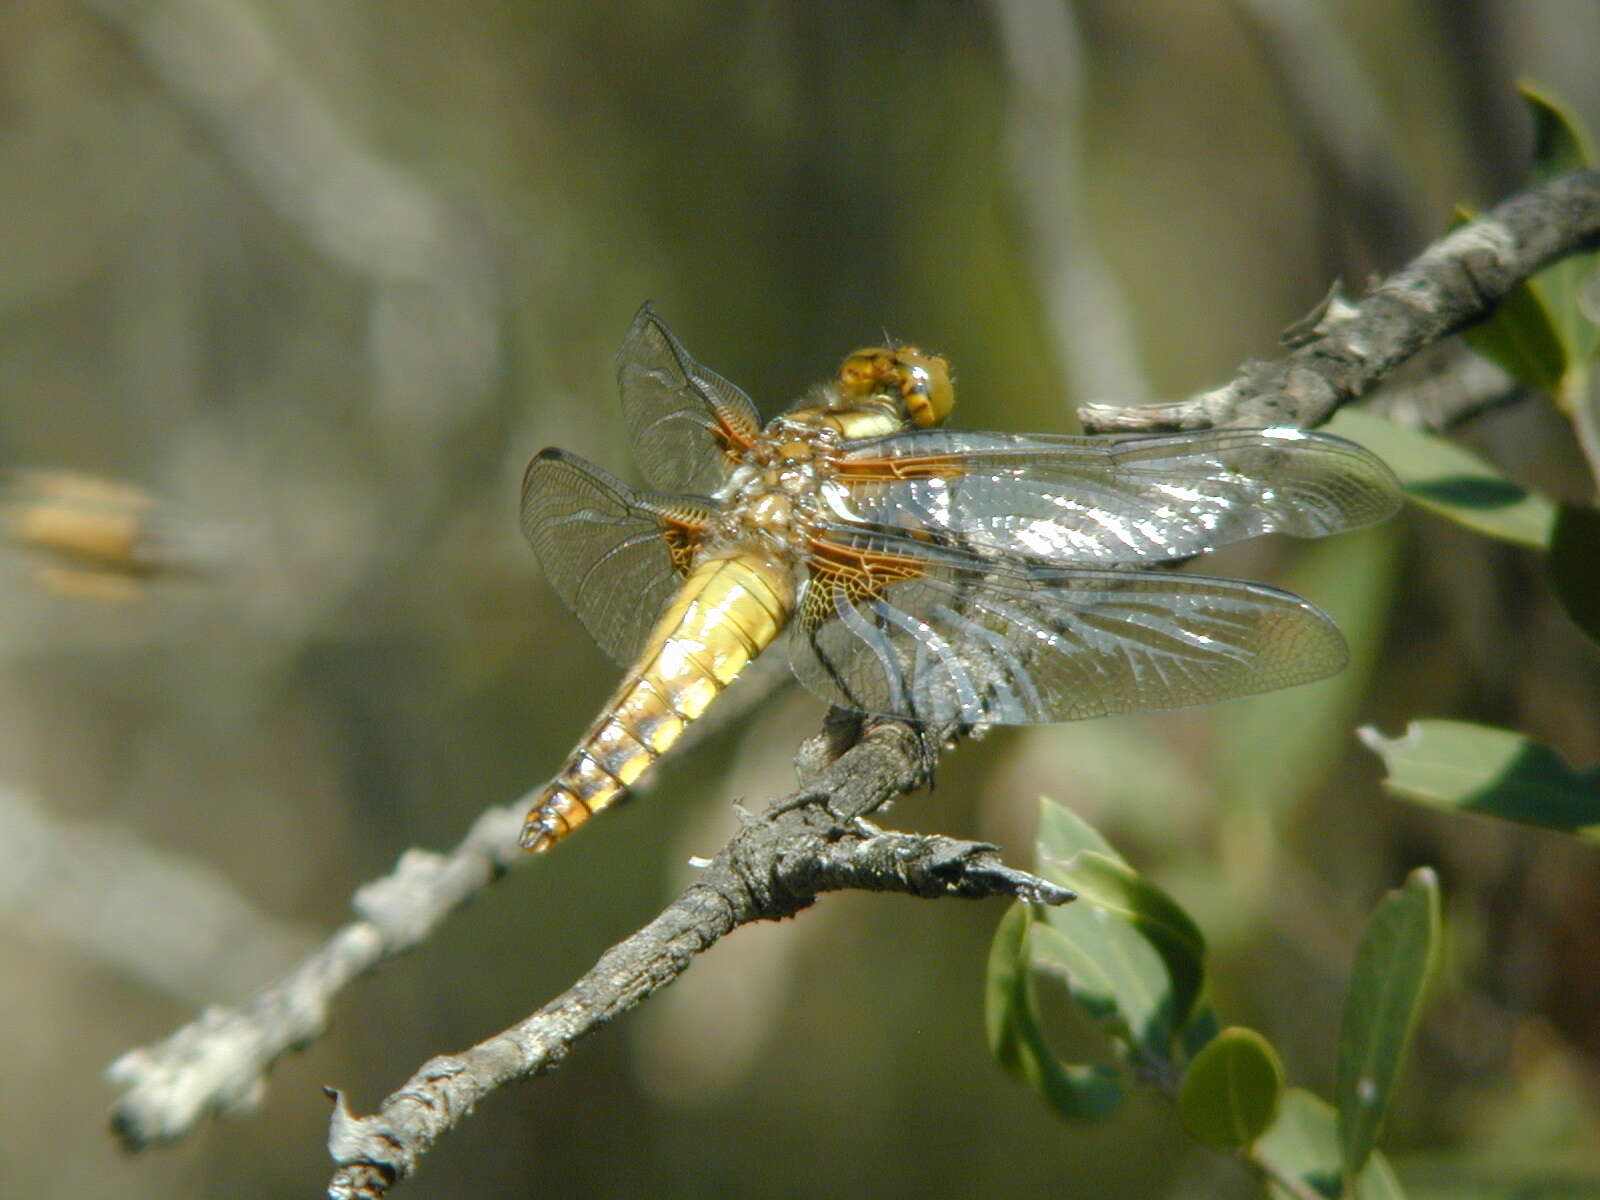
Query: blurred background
x=290, y=290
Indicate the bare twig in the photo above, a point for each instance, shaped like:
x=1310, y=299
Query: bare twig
x=813, y=841
x=156, y=916
x=1452, y=390
x=1455, y=282
x=219, y=1062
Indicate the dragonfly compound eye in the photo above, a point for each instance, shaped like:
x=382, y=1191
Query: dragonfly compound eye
x=918, y=383
x=925, y=384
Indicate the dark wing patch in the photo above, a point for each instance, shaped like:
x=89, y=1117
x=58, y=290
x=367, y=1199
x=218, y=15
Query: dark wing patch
x=615, y=555
x=687, y=423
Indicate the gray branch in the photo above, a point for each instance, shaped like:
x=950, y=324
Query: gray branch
x=1452, y=389
x=816, y=839
x=219, y=1062
x=811, y=842
x=1456, y=282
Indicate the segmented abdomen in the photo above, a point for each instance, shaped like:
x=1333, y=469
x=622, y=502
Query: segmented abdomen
x=729, y=609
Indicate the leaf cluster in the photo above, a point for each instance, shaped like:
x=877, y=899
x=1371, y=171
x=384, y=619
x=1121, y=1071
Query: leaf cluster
x=1134, y=962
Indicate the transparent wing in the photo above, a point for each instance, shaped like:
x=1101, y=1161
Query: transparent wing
x=889, y=627
x=684, y=419
x=1104, y=500
x=613, y=554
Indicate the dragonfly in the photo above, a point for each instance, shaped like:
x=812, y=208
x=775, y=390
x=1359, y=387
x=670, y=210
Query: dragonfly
x=950, y=578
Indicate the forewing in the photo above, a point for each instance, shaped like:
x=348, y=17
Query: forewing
x=686, y=421
x=1105, y=500
x=613, y=554
x=936, y=636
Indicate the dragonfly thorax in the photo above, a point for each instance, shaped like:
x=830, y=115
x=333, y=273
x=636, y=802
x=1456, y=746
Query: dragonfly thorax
x=773, y=498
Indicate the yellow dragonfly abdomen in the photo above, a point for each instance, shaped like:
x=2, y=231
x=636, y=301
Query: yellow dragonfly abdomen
x=731, y=606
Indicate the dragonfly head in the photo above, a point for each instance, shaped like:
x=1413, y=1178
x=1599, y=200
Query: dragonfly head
x=915, y=384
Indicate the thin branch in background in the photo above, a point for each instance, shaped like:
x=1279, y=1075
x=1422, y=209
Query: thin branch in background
x=1479, y=42
x=1455, y=388
x=1089, y=320
x=174, y=925
x=1337, y=114
x=776, y=863
x=1455, y=282
x=435, y=318
x=219, y=1063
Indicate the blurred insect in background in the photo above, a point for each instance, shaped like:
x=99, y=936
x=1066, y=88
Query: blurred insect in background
x=96, y=538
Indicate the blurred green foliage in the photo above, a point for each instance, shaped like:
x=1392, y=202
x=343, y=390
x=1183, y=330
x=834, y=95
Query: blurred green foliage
x=319, y=276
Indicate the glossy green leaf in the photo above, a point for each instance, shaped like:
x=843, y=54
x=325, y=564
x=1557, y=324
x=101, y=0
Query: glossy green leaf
x=1540, y=334
x=1393, y=963
x=1062, y=833
x=1475, y=768
x=1574, y=566
x=1561, y=145
x=1112, y=886
x=1300, y=1155
x=1113, y=974
x=1560, y=142
x=1119, y=989
x=1231, y=1091
x=1128, y=954
x=1197, y=1034
x=1271, y=749
x=1452, y=481
x=1085, y=1090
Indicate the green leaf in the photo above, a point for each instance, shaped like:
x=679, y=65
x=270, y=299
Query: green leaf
x=1062, y=833
x=1113, y=974
x=1455, y=764
x=1113, y=886
x=1452, y=481
x=1197, y=1034
x=1129, y=955
x=1540, y=333
x=1560, y=142
x=1393, y=963
x=1574, y=566
x=1302, y=1147
x=1561, y=145
x=1087, y=1090
x=1523, y=338
x=1004, y=995
x=1231, y=1090
x=1272, y=749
